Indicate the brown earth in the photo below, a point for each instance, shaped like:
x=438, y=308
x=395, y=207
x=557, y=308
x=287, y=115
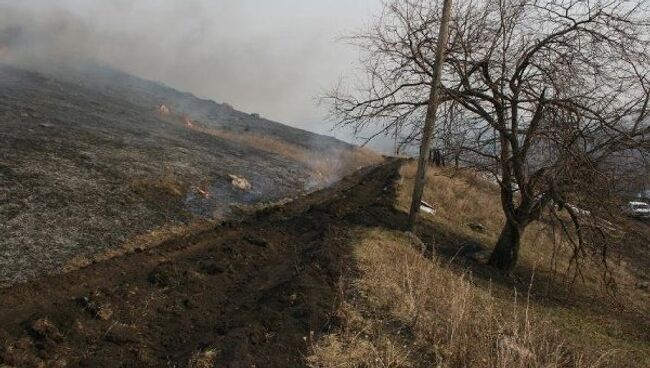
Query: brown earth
x=248, y=292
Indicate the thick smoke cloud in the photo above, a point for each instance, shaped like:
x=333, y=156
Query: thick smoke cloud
x=271, y=57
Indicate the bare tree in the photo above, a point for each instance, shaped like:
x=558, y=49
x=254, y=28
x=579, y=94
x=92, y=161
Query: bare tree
x=454, y=132
x=553, y=90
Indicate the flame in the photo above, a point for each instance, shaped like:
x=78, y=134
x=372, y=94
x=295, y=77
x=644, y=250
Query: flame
x=163, y=111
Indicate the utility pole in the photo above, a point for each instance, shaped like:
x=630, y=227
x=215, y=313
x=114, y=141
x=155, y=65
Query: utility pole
x=432, y=109
x=397, y=147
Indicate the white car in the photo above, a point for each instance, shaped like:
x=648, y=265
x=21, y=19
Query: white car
x=637, y=209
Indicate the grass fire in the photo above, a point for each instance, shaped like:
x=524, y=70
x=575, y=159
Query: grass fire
x=400, y=183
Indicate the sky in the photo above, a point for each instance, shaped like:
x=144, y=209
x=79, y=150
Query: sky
x=273, y=57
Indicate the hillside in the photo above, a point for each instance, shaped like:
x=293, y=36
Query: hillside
x=90, y=163
x=333, y=280
x=431, y=300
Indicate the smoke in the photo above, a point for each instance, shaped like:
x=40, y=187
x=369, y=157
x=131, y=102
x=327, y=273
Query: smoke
x=270, y=57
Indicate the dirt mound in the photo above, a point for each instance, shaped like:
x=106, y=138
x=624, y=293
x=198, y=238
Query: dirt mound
x=245, y=293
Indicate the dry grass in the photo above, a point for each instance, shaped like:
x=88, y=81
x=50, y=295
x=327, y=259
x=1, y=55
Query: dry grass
x=327, y=167
x=461, y=197
x=261, y=142
x=152, y=187
x=404, y=310
x=203, y=359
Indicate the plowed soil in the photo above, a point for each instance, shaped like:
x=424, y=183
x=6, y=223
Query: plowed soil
x=250, y=292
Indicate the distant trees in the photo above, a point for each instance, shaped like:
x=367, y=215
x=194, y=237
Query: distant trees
x=543, y=94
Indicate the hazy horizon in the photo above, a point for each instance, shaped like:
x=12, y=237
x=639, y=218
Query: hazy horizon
x=272, y=58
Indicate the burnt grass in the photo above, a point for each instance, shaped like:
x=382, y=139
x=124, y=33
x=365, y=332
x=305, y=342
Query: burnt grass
x=252, y=292
x=86, y=164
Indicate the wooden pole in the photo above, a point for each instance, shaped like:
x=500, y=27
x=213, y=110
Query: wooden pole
x=430, y=119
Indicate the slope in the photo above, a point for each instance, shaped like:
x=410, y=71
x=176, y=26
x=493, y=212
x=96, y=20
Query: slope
x=88, y=164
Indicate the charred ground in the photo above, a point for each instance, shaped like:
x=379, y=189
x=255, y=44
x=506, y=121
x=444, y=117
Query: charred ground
x=87, y=163
x=245, y=293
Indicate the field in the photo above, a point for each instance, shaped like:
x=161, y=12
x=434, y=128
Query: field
x=333, y=280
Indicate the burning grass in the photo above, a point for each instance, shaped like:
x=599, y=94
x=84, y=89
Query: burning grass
x=84, y=158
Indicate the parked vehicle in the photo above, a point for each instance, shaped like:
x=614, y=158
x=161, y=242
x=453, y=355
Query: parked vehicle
x=637, y=209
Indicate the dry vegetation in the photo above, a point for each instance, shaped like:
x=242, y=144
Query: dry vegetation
x=402, y=309
x=166, y=185
x=461, y=197
x=203, y=359
x=326, y=167
x=405, y=310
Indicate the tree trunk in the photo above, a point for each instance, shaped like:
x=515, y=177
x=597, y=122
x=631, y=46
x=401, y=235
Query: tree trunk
x=504, y=256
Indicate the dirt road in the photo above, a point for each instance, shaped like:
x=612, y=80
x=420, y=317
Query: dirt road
x=248, y=293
